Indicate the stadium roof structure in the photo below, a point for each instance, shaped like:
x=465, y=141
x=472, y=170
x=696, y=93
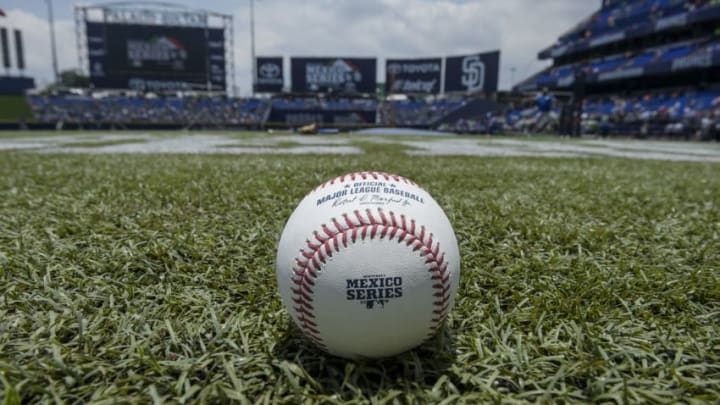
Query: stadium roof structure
x=646, y=28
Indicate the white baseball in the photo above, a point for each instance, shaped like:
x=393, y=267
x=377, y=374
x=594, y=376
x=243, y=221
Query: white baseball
x=368, y=265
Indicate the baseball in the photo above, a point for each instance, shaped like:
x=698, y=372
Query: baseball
x=368, y=265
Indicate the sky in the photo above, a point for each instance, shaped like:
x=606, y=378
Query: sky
x=368, y=28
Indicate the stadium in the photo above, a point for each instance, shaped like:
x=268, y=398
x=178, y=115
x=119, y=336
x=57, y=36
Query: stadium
x=148, y=181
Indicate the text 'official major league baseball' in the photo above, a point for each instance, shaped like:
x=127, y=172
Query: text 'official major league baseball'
x=371, y=193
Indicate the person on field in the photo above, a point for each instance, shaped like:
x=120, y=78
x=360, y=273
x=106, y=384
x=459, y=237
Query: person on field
x=544, y=102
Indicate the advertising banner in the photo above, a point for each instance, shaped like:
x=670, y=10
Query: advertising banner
x=341, y=75
x=472, y=73
x=413, y=76
x=269, y=74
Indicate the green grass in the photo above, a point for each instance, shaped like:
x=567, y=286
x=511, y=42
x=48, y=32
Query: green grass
x=132, y=279
x=14, y=107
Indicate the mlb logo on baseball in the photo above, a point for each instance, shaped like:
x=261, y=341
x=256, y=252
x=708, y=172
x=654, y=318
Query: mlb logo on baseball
x=372, y=274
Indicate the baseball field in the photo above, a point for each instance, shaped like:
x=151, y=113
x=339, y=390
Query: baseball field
x=137, y=275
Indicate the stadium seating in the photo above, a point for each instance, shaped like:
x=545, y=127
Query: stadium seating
x=671, y=113
x=418, y=112
x=666, y=53
x=125, y=110
x=642, y=67
x=623, y=14
x=622, y=21
x=334, y=104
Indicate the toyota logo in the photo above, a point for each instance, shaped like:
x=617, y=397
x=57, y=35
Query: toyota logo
x=269, y=70
x=394, y=68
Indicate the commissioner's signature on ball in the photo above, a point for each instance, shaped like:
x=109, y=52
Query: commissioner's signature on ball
x=371, y=199
x=376, y=199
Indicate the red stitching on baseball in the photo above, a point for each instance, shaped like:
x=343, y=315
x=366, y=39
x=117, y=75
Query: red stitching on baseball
x=364, y=176
x=308, y=263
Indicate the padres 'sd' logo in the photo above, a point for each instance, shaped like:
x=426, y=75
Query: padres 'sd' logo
x=473, y=77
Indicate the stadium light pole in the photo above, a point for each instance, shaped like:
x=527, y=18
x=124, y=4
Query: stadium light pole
x=252, y=45
x=53, y=46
